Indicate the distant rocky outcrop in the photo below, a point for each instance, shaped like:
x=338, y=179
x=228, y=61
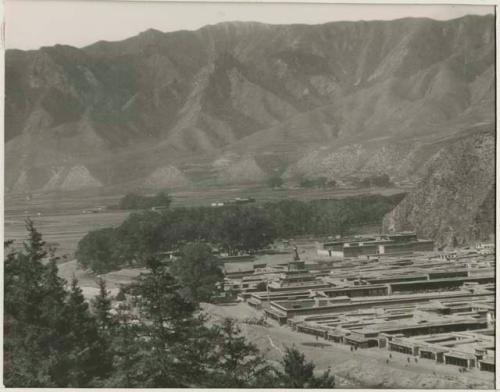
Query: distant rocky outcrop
x=70, y=179
x=21, y=183
x=237, y=170
x=401, y=160
x=79, y=177
x=166, y=177
x=454, y=203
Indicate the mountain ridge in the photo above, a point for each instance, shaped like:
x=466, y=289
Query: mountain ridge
x=458, y=188
x=268, y=93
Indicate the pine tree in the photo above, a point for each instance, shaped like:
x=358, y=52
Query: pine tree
x=28, y=269
x=297, y=370
x=85, y=351
x=53, y=318
x=50, y=337
x=298, y=373
x=54, y=293
x=169, y=343
x=33, y=297
x=35, y=245
x=236, y=362
x=197, y=271
x=101, y=306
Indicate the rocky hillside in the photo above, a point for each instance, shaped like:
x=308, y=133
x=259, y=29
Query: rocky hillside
x=455, y=200
x=235, y=102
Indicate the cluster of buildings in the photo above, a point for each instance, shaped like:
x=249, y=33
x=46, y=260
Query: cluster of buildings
x=398, y=243
x=235, y=201
x=432, y=305
x=94, y=210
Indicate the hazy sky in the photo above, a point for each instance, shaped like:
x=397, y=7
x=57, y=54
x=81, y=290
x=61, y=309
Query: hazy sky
x=30, y=24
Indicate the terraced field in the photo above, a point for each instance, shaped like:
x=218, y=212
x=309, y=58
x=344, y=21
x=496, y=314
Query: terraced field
x=62, y=230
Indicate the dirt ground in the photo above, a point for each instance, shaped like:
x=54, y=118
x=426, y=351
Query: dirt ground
x=363, y=368
x=88, y=280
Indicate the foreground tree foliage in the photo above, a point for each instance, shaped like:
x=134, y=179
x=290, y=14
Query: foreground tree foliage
x=197, y=271
x=237, y=363
x=298, y=373
x=101, y=306
x=95, y=251
x=156, y=338
x=50, y=337
x=168, y=343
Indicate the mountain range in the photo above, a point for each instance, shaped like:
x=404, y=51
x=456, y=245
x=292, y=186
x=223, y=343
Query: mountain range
x=238, y=102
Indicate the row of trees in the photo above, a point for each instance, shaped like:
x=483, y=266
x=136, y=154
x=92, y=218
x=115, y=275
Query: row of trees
x=54, y=338
x=318, y=182
x=133, y=201
x=197, y=271
x=382, y=180
x=147, y=233
x=232, y=229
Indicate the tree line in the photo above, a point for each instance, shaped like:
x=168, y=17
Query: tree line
x=133, y=201
x=231, y=229
x=158, y=337
x=374, y=180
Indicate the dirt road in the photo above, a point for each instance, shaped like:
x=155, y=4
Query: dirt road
x=363, y=368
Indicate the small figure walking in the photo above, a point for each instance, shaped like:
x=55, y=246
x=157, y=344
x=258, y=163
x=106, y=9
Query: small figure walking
x=390, y=355
x=416, y=360
x=387, y=361
x=408, y=359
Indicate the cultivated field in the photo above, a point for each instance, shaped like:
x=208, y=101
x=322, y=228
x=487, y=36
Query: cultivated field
x=61, y=230
x=265, y=194
x=60, y=217
x=71, y=202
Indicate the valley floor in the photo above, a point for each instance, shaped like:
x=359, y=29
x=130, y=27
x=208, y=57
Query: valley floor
x=62, y=221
